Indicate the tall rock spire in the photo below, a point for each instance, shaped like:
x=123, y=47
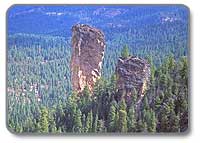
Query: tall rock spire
x=88, y=45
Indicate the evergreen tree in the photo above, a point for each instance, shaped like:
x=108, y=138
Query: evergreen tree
x=131, y=120
x=122, y=105
x=71, y=111
x=116, y=121
x=77, y=122
x=43, y=122
x=85, y=100
x=100, y=126
x=174, y=122
x=146, y=104
x=164, y=124
x=122, y=117
x=29, y=125
x=111, y=118
x=125, y=52
x=113, y=84
x=94, y=129
x=134, y=96
x=153, y=123
x=164, y=119
x=83, y=123
x=18, y=129
x=38, y=76
x=150, y=119
x=122, y=121
x=89, y=122
x=52, y=123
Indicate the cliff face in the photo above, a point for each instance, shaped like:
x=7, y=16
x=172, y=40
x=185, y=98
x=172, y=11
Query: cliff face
x=132, y=72
x=88, y=46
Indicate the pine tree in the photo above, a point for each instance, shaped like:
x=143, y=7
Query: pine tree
x=174, y=122
x=116, y=121
x=29, y=125
x=85, y=100
x=164, y=124
x=113, y=83
x=86, y=92
x=171, y=63
x=94, y=128
x=134, y=96
x=72, y=109
x=89, y=122
x=151, y=121
x=111, y=118
x=59, y=114
x=18, y=129
x=43, y=122
x=152, y=69
x=122, y=117
x=122, y=121
x=77, y=122
x=122, y=105
x=52, y=123
x=158, y=100
x=100, y=126
x=146, y=104
x=131, y=120
x=83, y=122
x=125, y=52
x=164, y=119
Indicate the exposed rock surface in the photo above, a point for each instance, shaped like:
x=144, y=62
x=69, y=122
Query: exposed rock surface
x=132, y=72
x=88, y=46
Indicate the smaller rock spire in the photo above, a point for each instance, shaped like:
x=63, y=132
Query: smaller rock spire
x=132, y=72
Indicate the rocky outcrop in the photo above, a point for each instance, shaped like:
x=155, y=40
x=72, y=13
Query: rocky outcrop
x=132, y=72
x=88, y=45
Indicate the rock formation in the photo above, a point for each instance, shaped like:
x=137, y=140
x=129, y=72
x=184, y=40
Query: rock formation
x=132, y=72
x=88, y=46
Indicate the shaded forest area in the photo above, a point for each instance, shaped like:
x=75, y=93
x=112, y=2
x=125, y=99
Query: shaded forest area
x=40, y=99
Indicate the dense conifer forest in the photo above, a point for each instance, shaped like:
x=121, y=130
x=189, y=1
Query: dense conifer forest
x=40, y=97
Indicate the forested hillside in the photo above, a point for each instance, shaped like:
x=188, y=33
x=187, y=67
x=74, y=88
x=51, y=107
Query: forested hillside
x=39, y=81
x=39, y=93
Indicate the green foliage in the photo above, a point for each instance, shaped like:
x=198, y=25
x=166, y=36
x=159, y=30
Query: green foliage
x=111, y=118
x=43, y=121
x=122, y=105
x=131, y=120
x=122, y=121
x=52, y=124
x=100, y=126
x=125, y=52
x=40, y=97
x=150, y=120
x=95, y=124
x=89, y=122
x=77, y=122
x=122, y=117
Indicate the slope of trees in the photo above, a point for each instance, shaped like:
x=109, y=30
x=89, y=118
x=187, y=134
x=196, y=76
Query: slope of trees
x=40, y=101
x=39, y=93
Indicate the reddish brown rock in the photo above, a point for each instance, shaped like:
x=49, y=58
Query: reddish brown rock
x=132, y=72
x=88, y=46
